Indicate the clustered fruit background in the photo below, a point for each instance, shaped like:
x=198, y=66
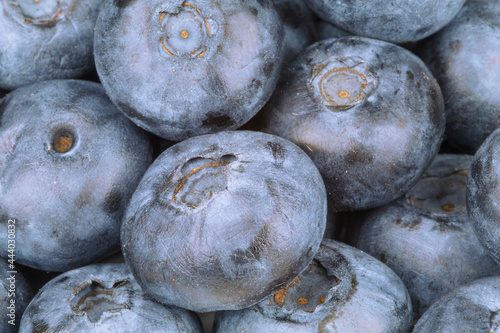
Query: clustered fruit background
x=393, y=107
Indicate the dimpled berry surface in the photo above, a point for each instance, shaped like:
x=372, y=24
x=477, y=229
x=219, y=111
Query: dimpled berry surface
x=185, y=68
x=220, y=221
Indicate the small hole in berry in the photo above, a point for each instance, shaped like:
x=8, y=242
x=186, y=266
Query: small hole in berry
x=63, y=141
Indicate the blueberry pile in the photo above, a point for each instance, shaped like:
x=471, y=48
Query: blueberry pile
x=250, y=166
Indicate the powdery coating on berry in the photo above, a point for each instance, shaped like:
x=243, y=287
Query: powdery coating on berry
x=429, y=231
x=45, y=40
x=69, y=161
x=395, y=21
x=221, y=221
x=186, y=32
x=368, y=113
x=197, y=66
x=470, y=308
x=483, y=191
x=464, y=57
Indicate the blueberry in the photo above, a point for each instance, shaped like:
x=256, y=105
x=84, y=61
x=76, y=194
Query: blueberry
x=483, y=191
x=368, y=113
x=464, y=59
x=222, y=220
x=342, y=290
x=69, y=162
x=197, y=67
x=393, y=21
x=472, y=308
x=102, y=298
x=44, y=40
x=426, y=237
x=15, y=295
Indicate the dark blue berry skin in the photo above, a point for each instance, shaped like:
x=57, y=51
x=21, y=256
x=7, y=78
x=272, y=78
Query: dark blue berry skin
x=393, y=21
x=180, y=69
x=368, y=113
x=426, y=236
x=342, y=290
x=69, y=162
x=325, y=30
x=298, y=25
x=15, y=295
x=102, y=298
x=483, y=191
x=46, y=40
x=220, y=221
x=464, y=59
x=472, y=308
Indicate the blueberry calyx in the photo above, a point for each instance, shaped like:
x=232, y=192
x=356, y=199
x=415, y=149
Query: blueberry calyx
x=326, y=284
x=306, y=296
x=442, y=196
x=63, y=140
x=93, y=298
x=39, y=12
x=342, y=83
x=185, y=33
x=201, y=178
